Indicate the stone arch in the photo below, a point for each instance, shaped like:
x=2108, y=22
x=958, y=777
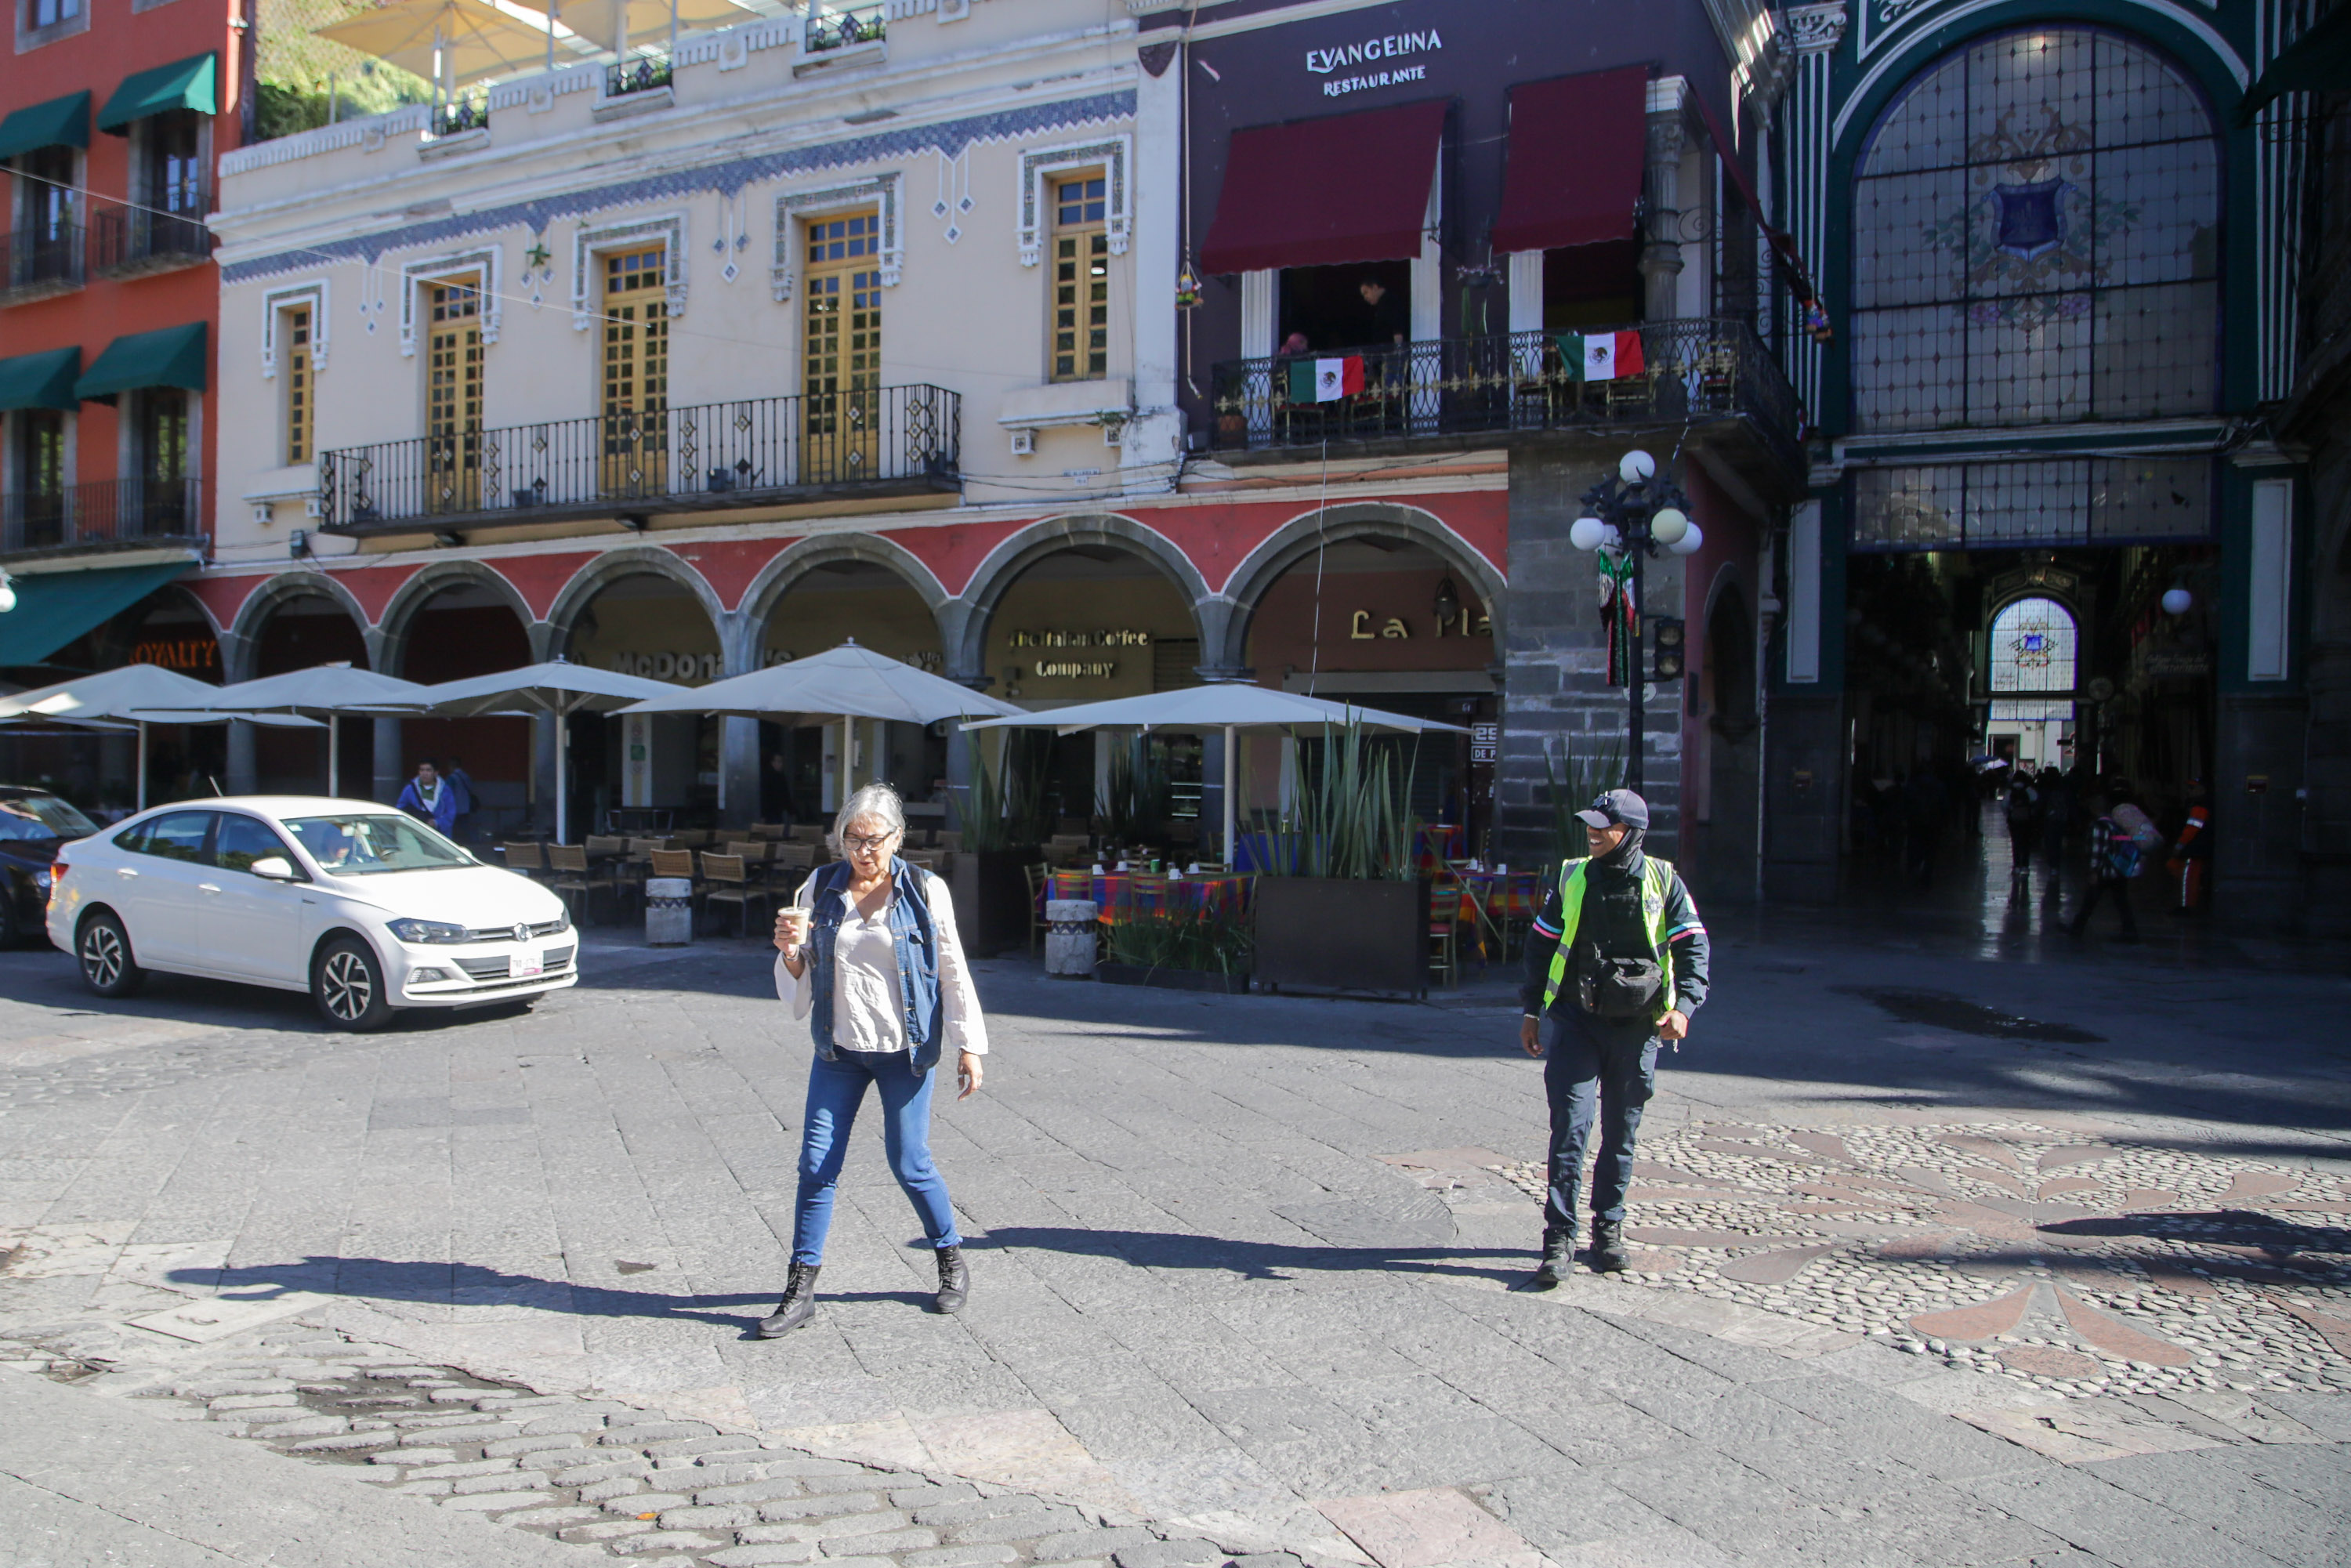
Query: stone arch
x=634, y=561
x=963, y=622
x=785, y=571
x=399, y=620
x=286, y=586
x=1298, y=538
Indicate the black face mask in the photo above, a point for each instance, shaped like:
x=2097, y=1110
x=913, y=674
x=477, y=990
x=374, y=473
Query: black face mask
x=1621, y=857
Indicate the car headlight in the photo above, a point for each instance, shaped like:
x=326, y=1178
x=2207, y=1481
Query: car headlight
x=427, y=931
x=41, y=880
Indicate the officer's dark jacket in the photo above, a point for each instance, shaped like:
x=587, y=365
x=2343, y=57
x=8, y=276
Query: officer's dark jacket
x=1684, y=937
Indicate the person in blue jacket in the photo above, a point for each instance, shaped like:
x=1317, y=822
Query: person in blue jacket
x=430, y=799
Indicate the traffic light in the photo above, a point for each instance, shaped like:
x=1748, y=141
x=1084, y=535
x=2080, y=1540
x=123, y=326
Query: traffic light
x=1665, y=664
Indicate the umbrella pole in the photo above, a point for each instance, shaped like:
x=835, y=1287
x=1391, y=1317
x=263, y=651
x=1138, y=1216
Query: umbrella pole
x=335, y=755
x=563, y=766
x=143, y=764
x=1232, y=771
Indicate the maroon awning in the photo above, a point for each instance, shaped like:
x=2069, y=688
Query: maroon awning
x=1325, y=192
x=1577, y=147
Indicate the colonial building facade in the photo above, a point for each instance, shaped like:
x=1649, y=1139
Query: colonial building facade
x=2048, y=514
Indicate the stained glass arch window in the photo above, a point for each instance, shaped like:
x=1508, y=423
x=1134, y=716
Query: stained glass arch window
x=2034, y=648
x=2036, y=228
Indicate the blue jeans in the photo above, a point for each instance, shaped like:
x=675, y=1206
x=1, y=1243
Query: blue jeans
x=836, y=1089
x=1583, y=1070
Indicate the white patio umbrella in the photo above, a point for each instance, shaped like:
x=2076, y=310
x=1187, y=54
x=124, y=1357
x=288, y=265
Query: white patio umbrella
x=1230, y=706
x=844, y=682
x=122, y=694
x=558, y=688
x=322, y=691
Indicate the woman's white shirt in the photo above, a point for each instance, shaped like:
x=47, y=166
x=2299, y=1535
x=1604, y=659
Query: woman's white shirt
x=866, y=1012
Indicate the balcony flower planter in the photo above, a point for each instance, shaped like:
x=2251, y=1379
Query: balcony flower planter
x=1337, y=934
x=1215, y=980
x=991, y=899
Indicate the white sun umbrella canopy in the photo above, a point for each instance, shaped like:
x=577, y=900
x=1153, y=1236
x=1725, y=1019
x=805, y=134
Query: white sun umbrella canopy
x=557, y=688
x=122, y=694
x=844, y=682
x=322, y=691
x=1230, y=706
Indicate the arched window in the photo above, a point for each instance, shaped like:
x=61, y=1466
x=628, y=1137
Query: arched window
x=2036, y=224
x=2033, y=647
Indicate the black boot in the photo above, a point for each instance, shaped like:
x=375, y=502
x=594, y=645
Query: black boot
x=799, y=1304
x=1559, y=1250
x=1608, y=1247
x=955, y=1281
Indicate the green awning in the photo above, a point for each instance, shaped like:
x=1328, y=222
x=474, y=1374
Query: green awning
x=184, y=84
x=60, y=123
x=2318, y=61
x=40, y=381
x=168, y=356
x=53, y=608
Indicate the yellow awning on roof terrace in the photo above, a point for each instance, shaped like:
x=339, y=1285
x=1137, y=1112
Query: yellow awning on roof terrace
x=458, y=41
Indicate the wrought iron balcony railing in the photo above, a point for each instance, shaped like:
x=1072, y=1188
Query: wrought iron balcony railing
x=643, y=74
x=754, y=451
x=1691, y=369
x=35, y=262
x=843, y=27
x=109, y=514
x=125, y=243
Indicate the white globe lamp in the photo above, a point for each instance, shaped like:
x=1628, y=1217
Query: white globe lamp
x=1587, y=533
x=1693, y=540
x=1636, y=466
x=2176, y=600
x=1613, y=538
x=7, y=593
x=1669, y=525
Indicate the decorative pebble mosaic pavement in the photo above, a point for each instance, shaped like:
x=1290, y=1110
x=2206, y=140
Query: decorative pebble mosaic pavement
x=2081, y=1264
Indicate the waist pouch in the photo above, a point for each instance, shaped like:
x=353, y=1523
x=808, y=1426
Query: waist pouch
x=1621, y=989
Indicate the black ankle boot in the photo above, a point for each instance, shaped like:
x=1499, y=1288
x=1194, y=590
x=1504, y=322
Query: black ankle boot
x=799, y=1304
x=1608, y=1247
x=955, y=1281
x=1559, y=1250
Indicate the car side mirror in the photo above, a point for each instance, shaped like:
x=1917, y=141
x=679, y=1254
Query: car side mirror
x=276, y=868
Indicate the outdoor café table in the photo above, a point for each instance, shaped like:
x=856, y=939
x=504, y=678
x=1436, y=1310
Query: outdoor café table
x=1116, y=896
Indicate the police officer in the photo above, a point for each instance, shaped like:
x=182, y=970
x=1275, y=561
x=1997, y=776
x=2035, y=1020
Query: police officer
x=1615, y=965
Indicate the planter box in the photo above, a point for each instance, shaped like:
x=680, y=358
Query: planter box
x=1338, y=935
x=991, y=899
x=1173, y=979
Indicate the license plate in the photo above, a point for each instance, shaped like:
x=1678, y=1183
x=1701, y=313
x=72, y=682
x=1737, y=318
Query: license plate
x=524, y=965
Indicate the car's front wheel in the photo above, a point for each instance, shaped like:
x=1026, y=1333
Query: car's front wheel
x=348, y=984
x=107, y=966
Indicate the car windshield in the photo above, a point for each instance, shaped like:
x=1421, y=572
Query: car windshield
x=41, y=817
x=364, y=844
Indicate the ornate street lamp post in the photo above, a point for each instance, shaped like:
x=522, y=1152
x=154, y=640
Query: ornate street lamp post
x=1628, y=516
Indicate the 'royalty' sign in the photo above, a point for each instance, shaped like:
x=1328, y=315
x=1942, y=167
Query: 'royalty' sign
x=1393, y=46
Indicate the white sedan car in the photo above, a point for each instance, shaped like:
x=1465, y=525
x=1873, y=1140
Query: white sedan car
x=362, y=907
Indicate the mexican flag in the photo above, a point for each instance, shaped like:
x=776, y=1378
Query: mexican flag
x=1325, y=380
x=1601, y=356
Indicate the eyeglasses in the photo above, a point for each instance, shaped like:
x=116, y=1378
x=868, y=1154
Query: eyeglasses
x=858, y=844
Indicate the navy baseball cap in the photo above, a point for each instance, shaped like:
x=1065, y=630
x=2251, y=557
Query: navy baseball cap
x=1616, y=807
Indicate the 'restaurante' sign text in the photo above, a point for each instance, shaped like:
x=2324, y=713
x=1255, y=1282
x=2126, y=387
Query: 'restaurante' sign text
x=1370, y=52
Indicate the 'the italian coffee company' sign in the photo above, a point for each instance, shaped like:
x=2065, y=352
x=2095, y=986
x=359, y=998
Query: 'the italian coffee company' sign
x=1370, y=52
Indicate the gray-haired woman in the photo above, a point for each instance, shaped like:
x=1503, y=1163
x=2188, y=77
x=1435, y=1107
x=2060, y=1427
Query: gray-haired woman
x=870, y=956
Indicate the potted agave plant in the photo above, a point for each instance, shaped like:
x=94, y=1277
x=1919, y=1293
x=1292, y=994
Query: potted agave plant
x=1002, y=825
x=1341, y=905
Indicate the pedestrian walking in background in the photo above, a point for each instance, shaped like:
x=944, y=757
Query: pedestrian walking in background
x=2114, y=861
x=428, y=800
x=2191, y=856
x=1615, y=965
x=2023, y=809
x=868, y=954
x=2058, y=788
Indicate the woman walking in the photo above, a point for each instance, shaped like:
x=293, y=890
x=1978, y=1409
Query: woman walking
x=868, y=954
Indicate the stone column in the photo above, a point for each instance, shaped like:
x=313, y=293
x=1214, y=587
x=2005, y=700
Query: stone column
x=236, y=665
x=1661, y=247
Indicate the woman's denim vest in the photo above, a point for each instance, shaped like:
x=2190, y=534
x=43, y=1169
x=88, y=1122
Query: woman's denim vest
x=912, y=932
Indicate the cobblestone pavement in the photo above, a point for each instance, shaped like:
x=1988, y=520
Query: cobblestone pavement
x=1917, y=1288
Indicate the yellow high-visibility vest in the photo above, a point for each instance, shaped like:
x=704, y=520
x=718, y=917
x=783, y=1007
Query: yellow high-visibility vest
x=1656, y=881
